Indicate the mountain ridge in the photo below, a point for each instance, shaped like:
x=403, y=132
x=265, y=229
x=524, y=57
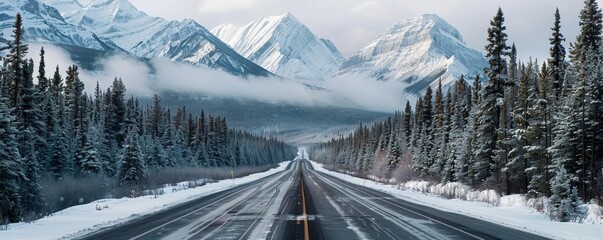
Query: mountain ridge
x=154, y=37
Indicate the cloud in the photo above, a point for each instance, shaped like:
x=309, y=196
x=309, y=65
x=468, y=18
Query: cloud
x=160, y=75
x=222, y=6
x=134, y=73
x=352, y=91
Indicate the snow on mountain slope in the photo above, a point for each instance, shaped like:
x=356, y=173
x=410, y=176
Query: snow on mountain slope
x=284, y=46
x=151, y=37
x=64, y=5
x=43, y=23
x=417, y=51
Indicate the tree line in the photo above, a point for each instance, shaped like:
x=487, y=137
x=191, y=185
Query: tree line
x=54, y=129
x=530, y=128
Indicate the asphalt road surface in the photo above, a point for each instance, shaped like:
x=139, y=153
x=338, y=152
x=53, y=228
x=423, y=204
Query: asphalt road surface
x=300, y=203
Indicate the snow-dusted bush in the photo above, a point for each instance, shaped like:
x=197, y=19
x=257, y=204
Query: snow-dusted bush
x=514, y=200
x=539, y=204
x=595, y=213
x=488, y=196
x=454, y=190
x=421, y=186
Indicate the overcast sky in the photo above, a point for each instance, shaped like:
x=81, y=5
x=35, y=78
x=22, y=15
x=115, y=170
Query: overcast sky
x=351, y=24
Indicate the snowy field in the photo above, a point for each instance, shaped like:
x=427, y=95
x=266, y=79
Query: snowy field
x=82, y=219
x=512, y=210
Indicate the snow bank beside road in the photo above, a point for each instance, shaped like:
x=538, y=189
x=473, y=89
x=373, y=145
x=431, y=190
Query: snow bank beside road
x=510, y=212
x=79, y=220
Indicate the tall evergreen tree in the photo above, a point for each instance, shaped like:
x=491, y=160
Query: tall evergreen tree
x=15, y=58
x=493, y=93
x=557, y=55
x=11, y=173
x=407, y=124
x=131, y=170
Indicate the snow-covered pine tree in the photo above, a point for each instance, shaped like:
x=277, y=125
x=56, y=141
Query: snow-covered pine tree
x=593, y=123
x=117, y=115
x=564, y=205
x=492, y=98
x=15, y=58
x=448, y=168
x=556, y=61
x=459, y=132
x=42, y=99
x=407, y=124
x=131, y=170
x=90, y=161
x=503, y=144
x=437, y=135
x=11, y=172
x=512, y=74
x=518, y=162
x=423, y=160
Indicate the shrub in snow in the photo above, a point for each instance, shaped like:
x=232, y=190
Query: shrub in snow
x=488, y=196
x=537, y=203
x=454, y=190
x=421, y=186
x=595, y=213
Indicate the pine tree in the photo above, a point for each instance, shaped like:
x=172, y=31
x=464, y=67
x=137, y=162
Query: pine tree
x=89, y=158
x=43, y=83
x=442, y=157
x=591, y=28
x=512, y=76
x=564, y=205
x=33, y=197
x=131, y=170
x=585, y=72
x=437, y=134
x=56, y=86
x=117, y=112
x=557, y=55
x=11, y=172
x=15, y=58
x=460, y=128
x=407, y=124
x=491, y=102
x=518, y=163
x=42, y=100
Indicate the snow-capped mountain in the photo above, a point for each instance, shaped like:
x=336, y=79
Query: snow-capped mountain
x=284, y=46
x=43, y=23
x=149, y=37
x=417, y=51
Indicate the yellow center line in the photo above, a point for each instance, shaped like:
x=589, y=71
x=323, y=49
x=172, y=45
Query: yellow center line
x=306, y=234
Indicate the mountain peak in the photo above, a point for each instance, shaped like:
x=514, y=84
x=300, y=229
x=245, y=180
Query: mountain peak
x=286, y=16
x=283, y=45
x=283, y=20
x=426, y=24
x=417, y=51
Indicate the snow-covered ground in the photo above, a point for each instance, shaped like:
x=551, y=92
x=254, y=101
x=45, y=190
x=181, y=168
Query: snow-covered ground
x=86, y=218
x=511, y=211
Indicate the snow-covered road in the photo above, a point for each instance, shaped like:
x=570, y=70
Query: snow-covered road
x=104, y=214
x=512, y=215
